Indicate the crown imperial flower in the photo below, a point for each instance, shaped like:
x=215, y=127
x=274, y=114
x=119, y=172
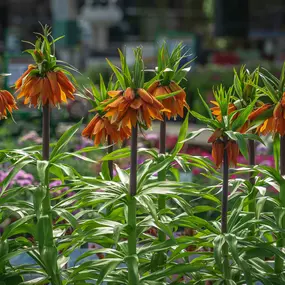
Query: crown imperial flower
x=7, y=104
x=44, y=82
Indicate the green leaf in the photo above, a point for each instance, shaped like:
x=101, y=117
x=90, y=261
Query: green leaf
x=67, y=216
x=42, y=166
x=181, y=136
x=124, y=177
x=5, y=183
x=105, y=171
x=254, y=137
x=201, y=209
x=271, y=172
x=119, y=76
x=68, y=170
x=196, y=222
x=116, y=154
x=276, y=150
x=218, y=242
x=38, y=197
x=142, y=172
x=174, y=269
x=211, y=122
x=272, y=94
x=282, y=79
x=36, y=281
x=263, y=250
x=109, y=267
x=242, y=117
x=10, y=194
x=232, y=242
x=259, y=206
x=237, y=85
x=9, y=230
x=167, y=95
x=64, y=140
x=242, y=144
x=57, y=172
x=162, y=246
x=205, y=106
x=194, y=134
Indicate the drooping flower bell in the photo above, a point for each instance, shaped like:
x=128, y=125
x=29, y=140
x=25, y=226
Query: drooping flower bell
x=244, y=93
x=100, y=128
x=273, y=118
x=219, y=146
x=266, y=126
x=176, y=103
x=226, y=126
x=45, y=82
x=216, y=111
x=270, y=117
x=170, y=73
x=279, y=117
x=7, y=104
x=134, y=104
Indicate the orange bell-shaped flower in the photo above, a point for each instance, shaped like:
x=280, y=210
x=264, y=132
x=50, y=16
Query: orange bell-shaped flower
x=7, y=104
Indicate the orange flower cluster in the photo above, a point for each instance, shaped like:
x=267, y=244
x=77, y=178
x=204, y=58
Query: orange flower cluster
x=19, y=82
x=131, y=106
x=216, y=111
x=54, y=88
x=174, y=104
x=218, y=148
x=273, y=124
x=7, y=103
x=100, y=128
x=267, y=126
x=279, y=117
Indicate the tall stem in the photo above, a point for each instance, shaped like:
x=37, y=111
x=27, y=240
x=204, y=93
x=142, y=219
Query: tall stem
x=251, y=152
x=110, y=162
x=162, y=173
x=224, y=222
x=110, y=168
x=162, y=136
x=225, y=190
x=46, y=139
x=132, y=261
x=252, y=196
x=46, y=131
x=134, y=162
x=279, y=263
x=159, y=257
x=282, y=167
x=47, y=246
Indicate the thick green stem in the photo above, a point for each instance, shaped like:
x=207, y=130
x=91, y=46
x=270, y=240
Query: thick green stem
x=252, y=196
x=110, y=162
x=251, y=154
x=225, y=190
x=282, y=168
x=47, y=246
x=224, y=223
x=162, y=173
x=132, y=262
x=279, y=262
x=134, y=162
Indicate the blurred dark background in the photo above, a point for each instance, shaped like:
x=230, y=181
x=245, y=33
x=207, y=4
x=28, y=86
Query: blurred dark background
x=221, y=34
x=218, y=31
